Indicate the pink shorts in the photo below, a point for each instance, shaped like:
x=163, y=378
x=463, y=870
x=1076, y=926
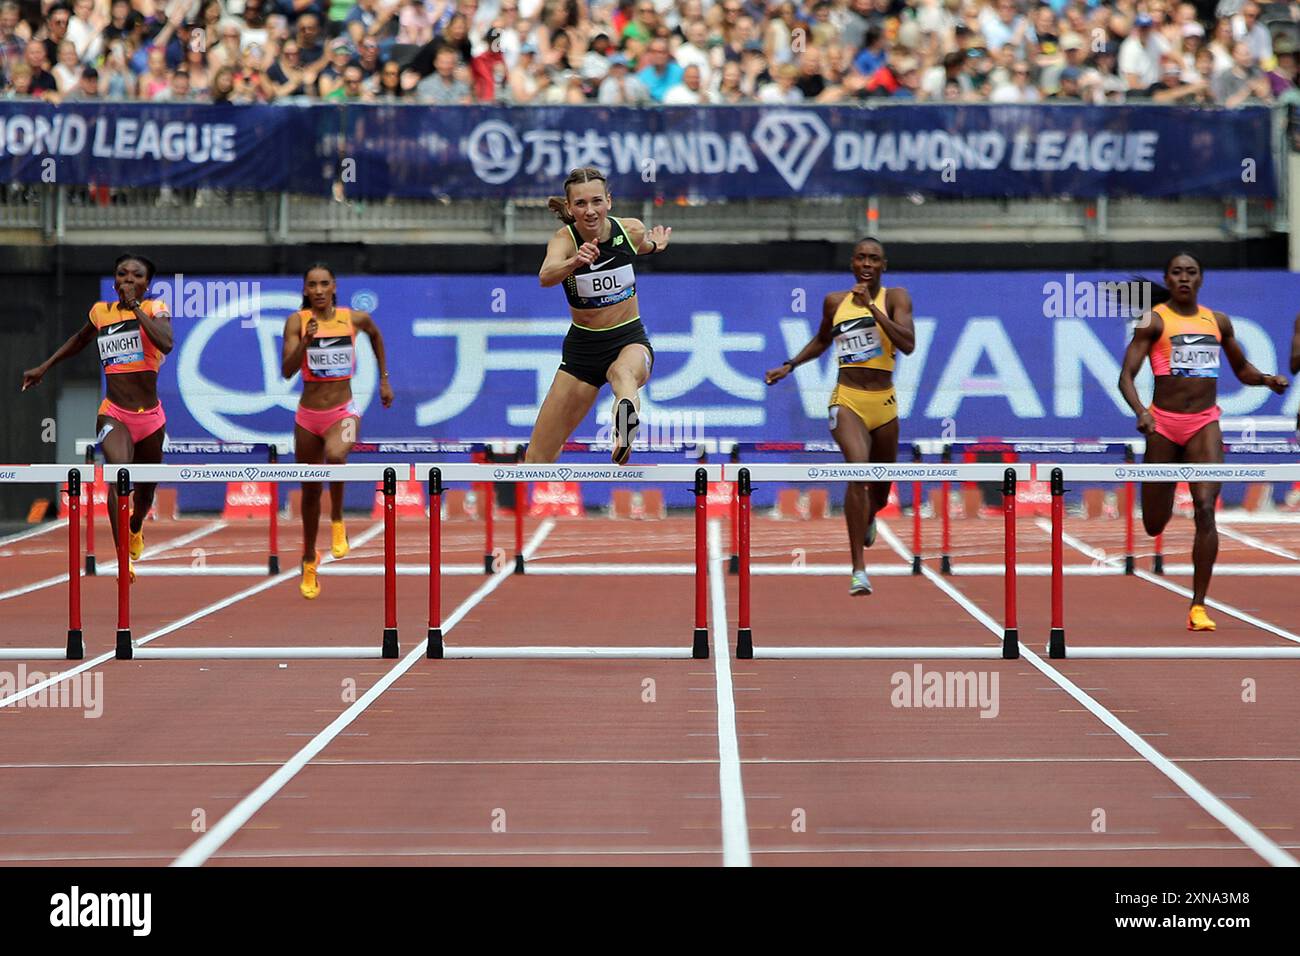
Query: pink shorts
x=1180, y=427
x=319, y=421
x=139, y=425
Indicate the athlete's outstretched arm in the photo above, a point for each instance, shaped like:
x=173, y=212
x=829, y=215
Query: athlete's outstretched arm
x=898, y=322
x=647, y=241
x=365, y=323
x=560, y=263
x=295, y=345
x=818, y=344
x=1147, y=333
x=1295, y=348
x=76, y=342
x=1246, y=373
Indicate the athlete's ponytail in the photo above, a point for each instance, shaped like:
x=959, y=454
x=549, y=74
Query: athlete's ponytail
x=560, y=204
x=1159, y=293
x=306, y=302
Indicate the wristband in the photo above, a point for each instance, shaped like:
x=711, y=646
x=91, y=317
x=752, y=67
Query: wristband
x=791, y=364
x=654, y=247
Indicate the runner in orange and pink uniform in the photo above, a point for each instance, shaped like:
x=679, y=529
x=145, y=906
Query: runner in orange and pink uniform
x=320, y=341
x=1183, y=341
x=134, y=335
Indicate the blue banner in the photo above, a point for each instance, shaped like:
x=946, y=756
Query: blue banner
x=706, y=153
x=472, y=357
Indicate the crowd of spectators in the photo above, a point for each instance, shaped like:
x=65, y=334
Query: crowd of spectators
x=642, y=52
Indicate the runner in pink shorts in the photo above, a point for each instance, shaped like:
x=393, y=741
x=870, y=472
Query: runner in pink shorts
x=134, y=334
x=320, y=341
x=1184, y=341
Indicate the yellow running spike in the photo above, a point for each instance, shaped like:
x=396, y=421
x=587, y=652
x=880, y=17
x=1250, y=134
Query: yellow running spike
x=339, y=546
x=309, y=586
x=1199, y=620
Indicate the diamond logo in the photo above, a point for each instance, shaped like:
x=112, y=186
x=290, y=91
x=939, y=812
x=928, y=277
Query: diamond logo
x=564, y=474
x=1186, y=472
x=878, y=471
x=792, y=142
x=251, y=473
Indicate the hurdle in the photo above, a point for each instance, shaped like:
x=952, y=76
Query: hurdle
x=1139, y=474
x=439, y=474
x=385, y=475
x=75, y=476
x=1006, y=474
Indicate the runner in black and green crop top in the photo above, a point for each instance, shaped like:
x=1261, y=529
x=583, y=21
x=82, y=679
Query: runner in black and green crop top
x=592, y=255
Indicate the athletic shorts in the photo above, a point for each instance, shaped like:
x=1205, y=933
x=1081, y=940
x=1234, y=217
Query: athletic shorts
x=874, y=407
x=588, y=353
x=139, y=424
x=318, y=421
x=1180, y=427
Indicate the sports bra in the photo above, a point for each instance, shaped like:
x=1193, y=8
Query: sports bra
x=610, y=279
x=331, y=354
x=124, y=345
x=859, y=341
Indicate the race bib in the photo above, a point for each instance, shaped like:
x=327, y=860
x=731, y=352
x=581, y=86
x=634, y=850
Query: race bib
x=857, y=341
x=121, y=343
x=1196, y=356
x=607, y=284
x=331, y=357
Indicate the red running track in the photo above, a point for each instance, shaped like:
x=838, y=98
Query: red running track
x=626, y=762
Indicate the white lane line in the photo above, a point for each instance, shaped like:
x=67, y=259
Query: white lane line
x=164, y=547
x=111, y=567
x=1160, y=581
x=1251, y=541
x=202, y=849
x=33, y=532
x=1241, y=828
x=176, y=625
x=735, y=823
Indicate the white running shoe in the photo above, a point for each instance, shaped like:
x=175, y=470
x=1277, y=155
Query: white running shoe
x=860, y=584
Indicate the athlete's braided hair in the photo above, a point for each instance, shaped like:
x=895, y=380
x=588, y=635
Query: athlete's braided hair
x=1159, y=293
x=583, y=174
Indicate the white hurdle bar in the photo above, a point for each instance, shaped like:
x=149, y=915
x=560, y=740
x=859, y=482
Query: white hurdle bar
x=1059, y=473
x=1007, y=474
x=698, y=476
x=386, y=475
x=73, y=477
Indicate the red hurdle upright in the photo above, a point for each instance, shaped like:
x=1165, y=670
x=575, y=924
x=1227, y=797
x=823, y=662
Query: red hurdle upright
x=700, y=645
x=389, y=646
x=125, y=650
x=1010, y=632
x=945, y=553
x=435, y=563
x=273, y=559
x=1128, y=515
x=916, y=515
x=90, y=511
x=76, y=647
x=489, y=500
x=1056, y=639
x=744, y=635
x=521, y=502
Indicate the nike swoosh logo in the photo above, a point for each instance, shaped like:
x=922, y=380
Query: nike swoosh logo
x=1197, y=339
x=113, y=328
x=327, y=343
x=597, y=265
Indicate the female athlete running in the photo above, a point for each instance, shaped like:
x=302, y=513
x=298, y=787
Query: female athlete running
x=133, y=335
x=1183, y=341
x=867, y=324
x=592, y=255
x=320, y=340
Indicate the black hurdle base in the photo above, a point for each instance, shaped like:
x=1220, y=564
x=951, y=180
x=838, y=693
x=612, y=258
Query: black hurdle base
x=90, y=565
x=916, y=564
x=125, y=650
x=488, y=560
x=1158, y=564
x=273, y=565
x=435, y=643
x=1129, y=564
x=945, y=565
x=76, y=647
x=744, y=644
x=733, y=565
x=1056, y=643
x=389, y=649
x=700, y=646
x=519, y=564
x=1010, y=644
